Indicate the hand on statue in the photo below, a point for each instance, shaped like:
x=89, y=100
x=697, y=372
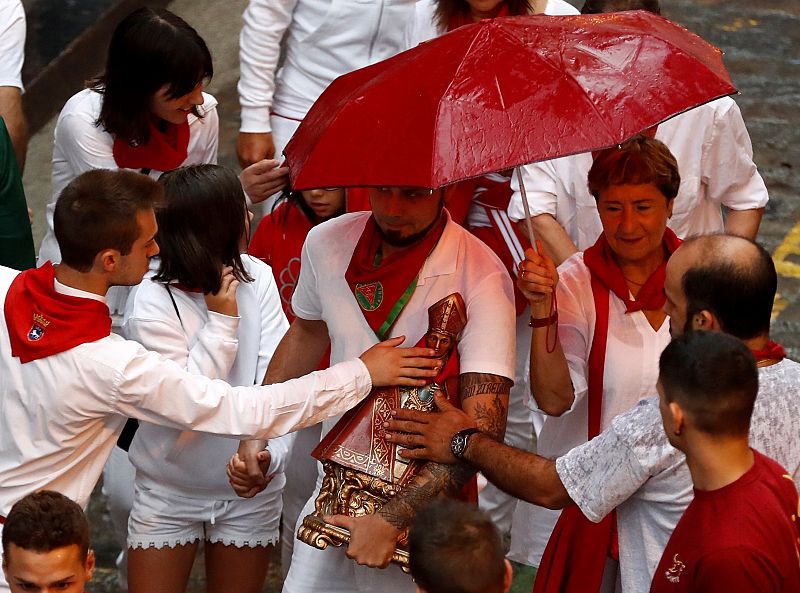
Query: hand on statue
x=264, y=178
x=389, y=365
x=247, y=469
x=427, y=433
x=372, y=538
x=224, y=300
x=537, y=279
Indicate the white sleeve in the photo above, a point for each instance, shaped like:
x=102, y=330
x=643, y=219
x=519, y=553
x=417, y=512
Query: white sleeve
x=156, y=390
x=273, y=320
x=12, y=42
x=265, y=23
x=84, y=145
x=605, y=472
x=728, y=171
x=279, y=450
x=541, y=187
x=156, y=326
x=306, y=302
x=207, y=130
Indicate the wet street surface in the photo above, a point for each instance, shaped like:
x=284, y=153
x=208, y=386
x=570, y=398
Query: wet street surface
x=761, y=41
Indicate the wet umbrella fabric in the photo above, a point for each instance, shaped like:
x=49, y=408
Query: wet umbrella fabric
x=501, y=93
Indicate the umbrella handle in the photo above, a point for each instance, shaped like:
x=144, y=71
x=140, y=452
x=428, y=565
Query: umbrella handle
x=525, y=207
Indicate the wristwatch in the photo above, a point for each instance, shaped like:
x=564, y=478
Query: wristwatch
x=460, y=440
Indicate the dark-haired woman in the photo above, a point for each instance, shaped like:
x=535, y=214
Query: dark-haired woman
x=147, y=111
x=217, y=313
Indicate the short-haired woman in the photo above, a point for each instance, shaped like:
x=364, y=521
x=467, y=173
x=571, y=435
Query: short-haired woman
x=216, y=313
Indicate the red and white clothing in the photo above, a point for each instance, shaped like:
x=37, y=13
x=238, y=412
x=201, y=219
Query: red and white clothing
x=80, y=146
x=715, y=160
x=631, y=467
x=459, y=263
x=61, y=415
x=630, y=373
x=742, y=537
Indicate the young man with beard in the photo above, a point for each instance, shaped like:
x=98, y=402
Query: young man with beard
x=365, y=276
x=717, y=283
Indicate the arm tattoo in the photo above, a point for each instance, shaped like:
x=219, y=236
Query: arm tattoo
x=491, y=418
x=473, y=384
x=433, y=480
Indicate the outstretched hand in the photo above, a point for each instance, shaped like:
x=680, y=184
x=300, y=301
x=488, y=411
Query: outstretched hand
x=429, y=433
x=390, y=365
x=538, y=277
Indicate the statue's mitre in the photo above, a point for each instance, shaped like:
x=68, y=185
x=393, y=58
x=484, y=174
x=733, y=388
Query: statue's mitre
x=448, y=316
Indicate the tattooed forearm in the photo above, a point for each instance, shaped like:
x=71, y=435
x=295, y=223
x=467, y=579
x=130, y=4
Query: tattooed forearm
x=432, y=481
x=473, y=384
x=491, y=417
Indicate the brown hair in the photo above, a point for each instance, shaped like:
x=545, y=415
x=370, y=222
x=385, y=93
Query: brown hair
x=97, y=211
x=447, y=9
x=639, y=160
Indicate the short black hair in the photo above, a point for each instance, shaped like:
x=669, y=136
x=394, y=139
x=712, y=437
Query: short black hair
x=150, y=48
x=601, y=6
x=738, y=287
x=200, y=226
x=455, y=548
x=713, y=376
x=639, y=160
x=97, y=210
x=45, y=521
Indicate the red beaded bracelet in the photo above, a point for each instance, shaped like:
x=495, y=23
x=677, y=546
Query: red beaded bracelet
x=543, y=321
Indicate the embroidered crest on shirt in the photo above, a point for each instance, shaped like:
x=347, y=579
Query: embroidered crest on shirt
x=369, y=296
x=36, y=332
x=673, y=573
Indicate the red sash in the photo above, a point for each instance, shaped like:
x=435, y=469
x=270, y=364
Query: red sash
x=164, y=151
x=382, y=289
x=575, y=556
x=464, y=17
x=42, y=322
x=772, y=351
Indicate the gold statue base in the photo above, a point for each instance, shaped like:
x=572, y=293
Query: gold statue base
x=348, y=492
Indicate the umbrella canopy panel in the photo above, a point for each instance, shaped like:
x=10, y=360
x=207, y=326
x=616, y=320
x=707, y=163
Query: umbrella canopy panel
x=501, y=93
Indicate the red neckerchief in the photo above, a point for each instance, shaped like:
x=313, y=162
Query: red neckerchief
x=164, y=151
x=42, y=322
x=600, y=260
x=772, y=351
x=382, y=291
x=464, y=17
x=575, y=555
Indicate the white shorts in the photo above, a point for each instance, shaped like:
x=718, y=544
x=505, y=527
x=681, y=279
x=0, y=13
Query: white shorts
x=161, y=519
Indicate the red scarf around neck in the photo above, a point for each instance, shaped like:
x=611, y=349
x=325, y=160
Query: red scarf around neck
x=464, y=17
x=42, y=322
x=164, y=151
x=600, y=260
x=575, y=555
x=772, y=351
x=382, y=290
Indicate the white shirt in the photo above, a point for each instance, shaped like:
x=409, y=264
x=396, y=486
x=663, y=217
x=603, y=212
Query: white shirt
x=715, y=160
x=81, y=146
x=61, y=415
x=323, y=39
x=630, y=373
x=12, y=42
x=632, y=467
x=235, y=349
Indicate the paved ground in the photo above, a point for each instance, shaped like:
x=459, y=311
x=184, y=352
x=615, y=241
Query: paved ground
x=762, y=45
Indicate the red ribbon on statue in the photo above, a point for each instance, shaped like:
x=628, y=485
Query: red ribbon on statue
x=383, y=286
x=41, y=322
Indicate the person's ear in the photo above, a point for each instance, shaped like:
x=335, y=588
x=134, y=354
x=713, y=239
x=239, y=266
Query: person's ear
x=704, y=320
x=670, y=204
x=678, y=418
x=508, y=577
x=107, y=260
x=89, y=565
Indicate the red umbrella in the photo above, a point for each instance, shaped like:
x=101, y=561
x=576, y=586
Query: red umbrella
x=502, y=93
